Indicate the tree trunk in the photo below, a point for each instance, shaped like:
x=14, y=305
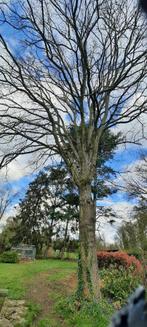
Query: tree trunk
x=65, y=240
x=88, y=283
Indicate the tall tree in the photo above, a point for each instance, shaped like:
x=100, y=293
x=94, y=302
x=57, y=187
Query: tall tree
x=79, y=63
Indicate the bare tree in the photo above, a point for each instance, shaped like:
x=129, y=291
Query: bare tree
x=136, y=185
x=4, y=202
x=79, y=63
x=7, y=196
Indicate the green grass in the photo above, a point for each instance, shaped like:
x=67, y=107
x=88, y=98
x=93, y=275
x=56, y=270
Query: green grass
x=63, y=310
x=14, y=277
x=32, y=313
x=89, y=314
x=48, y=322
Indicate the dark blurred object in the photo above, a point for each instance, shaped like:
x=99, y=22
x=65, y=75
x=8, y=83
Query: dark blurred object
x=143, y=5
x=134, y=314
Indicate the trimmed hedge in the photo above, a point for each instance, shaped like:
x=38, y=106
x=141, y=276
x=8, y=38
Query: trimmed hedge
x=117, y=259
x=9, y=257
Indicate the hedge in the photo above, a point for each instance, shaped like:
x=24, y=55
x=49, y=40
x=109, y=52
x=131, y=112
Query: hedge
x=9, y=257
x=117, y=259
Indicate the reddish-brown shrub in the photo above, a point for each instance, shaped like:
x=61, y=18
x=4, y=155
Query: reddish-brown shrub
x=117, y=259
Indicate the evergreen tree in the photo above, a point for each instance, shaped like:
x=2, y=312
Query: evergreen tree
x=38, y=213
x=51, y=204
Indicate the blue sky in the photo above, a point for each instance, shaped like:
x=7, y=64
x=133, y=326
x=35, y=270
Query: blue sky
x=123, y=158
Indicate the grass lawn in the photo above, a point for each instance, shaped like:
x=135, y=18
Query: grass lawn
x=15, y=277
x=47, y=286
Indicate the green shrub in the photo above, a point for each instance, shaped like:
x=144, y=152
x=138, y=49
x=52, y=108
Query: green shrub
x=9, y=257
x=84, y=314
x=118, y=284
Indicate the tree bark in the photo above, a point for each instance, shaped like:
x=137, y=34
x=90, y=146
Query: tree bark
x=88, y=279
x=64, y=240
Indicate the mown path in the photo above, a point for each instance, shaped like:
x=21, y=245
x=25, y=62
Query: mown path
x=44, y=290
x=49, y=284
x=42, y=282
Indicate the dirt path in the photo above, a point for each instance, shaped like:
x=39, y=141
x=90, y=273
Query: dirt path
x=42, y=292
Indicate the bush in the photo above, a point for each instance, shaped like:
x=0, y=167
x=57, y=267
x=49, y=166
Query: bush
x=9, y=257
x=118, y=284
x=135, y=253
x=118, y=259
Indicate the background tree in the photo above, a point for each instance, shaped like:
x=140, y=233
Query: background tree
x=141, y=224
x=126, y=236
x=133, y=234
x=67, y=223
x=7, y=196
x=7, y=235
x=39, y=212
x=4, y=201
x=136, y=185
x=78, y=63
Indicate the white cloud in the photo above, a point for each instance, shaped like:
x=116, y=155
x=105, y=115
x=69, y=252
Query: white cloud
x=16, y=169
x=131, y=173
x=123, y=210
x=135, y=131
